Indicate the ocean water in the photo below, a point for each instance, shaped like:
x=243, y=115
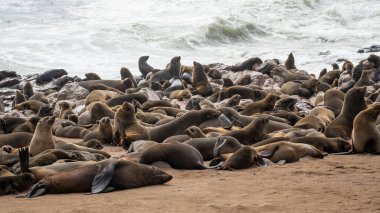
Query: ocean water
x=103, y=35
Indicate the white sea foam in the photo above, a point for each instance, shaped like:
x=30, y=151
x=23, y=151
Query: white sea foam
x=103, y=35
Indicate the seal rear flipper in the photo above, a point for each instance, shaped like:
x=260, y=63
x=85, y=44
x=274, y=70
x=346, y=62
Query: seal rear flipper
x=37, y=190
x=23, y=154
x=218, y=145
x=266, y=153
x=260, y=161
x=103, y=177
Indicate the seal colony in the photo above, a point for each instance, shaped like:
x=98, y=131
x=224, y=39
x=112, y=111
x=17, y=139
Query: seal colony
x=242, y=116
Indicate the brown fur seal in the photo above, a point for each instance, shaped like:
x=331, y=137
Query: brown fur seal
x=325, y=145
x=28, y=90
x=330, y=76
x=150, y=104
x=266, y=104
x=104, y=132
x=287, y=75
x=28, y=126
x=287, y=152
x=99, y=86
x=172, y=71
x=99, y=95
x=170, y=111
x=99, y=110
x=16, y=184
x=177, y=155
x=68, y=130
x=126, y=127
x=144, y=67
x=120, y=85
x=19, y=98
x=334, y=99
x=43, y=136
x=342, y=125
x=305, y=88
x=140, y=146
x=245, y=80
x=311, y=122
x=243, y=158
x=100, y=177
x=39, y=97
x=180, y=94
x=287, y=104
x=150, y=117
x=245, y=65
x=65, y=110
x=365, y=135
x=16, y=140
x=243, y=91
x=32, y=105
x=179, y=125
x=73, y=147
x=125, y=73
x=233, y=101
x=91, y=76
x=326, y=114
x=252, y=133
x=201, y=84
x=289, y=63
x=119, y=100
x=195, y=132
x=93, y=143
x=365, y=79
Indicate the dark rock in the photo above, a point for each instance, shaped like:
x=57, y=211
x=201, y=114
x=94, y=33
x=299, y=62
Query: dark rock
x=50, y=75
x=9, y=82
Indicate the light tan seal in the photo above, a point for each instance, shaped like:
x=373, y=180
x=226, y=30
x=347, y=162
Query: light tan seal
x=43, y=137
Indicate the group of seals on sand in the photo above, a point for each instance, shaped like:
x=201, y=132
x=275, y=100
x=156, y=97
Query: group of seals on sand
x=236, y=117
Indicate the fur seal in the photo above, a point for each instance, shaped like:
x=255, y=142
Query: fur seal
x=305, y=88
x=91, y=76
x=43, y=136
x=334, y=99
x=172, y=71
x=93, y=143
x=245, y=65
x=65, y=110
x=140, y=146
x=287, y=152
x=177, y=155
x=311, y=122
x=286, y=104
x=365, y=79
x=66, y=129
x=289, y=63
x=267, y=104
x=28, y=126
x=252, y=133
x=324, y=144
x=127, y=128
x=180, y=94
x=195, y=132
x=144, y=67
x=287, y=75
x=243, y=158
x=342, y=125
x=200, y=84
x=39, y=97
x=125, y=73
x=245, y=80
x=16, y=140
x=324, y=113
x=330, y=76
x=28, y=90
x=98, y=110
x=119, y=100
x=18, y=99
x=16, y=184
x=100, y=177
x=243, y=91
x=179, y=125
x=120, y=85
x=103, y=133
x=365, y=135
x=32, y=105
x=99, y=95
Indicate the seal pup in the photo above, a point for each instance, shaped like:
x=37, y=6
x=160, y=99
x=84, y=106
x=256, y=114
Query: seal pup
x=28, y=126
x=267, y=104
x=125, y=73
x=28, y=90
x=252, y=133
x=243, y=158
x=287, y=152
x=103, y=133
x=334, y=99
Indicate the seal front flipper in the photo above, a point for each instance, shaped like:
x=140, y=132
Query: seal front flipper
x=266, y=153
x=103, y=177
x=23, y=154
x=218, y=145
x=281, y=162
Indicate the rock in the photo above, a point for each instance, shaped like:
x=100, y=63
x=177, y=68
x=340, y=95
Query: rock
x=8, y=74
x=9, y=82
x=62, y=81
x=71, y=91
x=50, y=75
